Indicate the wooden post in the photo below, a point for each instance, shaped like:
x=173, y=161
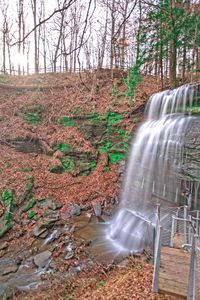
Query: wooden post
x=192, y=272
x=157, y=260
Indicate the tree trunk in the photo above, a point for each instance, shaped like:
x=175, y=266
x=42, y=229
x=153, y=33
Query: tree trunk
x=34, y=10
x=123, y=46
x=184, y=62
x=172, y=68
x=112, y=46
x=4, y=47
x=173, y=47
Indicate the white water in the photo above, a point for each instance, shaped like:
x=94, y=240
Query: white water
x=154, y=166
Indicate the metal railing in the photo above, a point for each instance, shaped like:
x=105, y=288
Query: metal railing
x=184, y=233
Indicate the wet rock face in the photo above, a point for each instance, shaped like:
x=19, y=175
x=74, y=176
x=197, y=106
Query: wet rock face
x=10, y=269
x=188, y=172
x=94, y=132
x=28, y=145
x=25, y=145
x=191, y=166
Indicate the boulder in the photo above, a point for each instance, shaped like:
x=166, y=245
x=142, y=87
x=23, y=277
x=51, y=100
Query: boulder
x=4, y=246
x=37, y=231
x=41, y=260
x=75, y=210
x=12, y=268
x=97, y=208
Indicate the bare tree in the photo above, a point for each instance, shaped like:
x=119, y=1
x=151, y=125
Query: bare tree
x=4, y=12
x=21, y=29
x=60, y=22
x=34, y=12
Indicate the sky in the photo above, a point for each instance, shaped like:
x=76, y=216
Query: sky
x=98, y=21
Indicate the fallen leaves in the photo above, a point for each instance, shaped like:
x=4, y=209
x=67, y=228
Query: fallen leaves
x=132, y=282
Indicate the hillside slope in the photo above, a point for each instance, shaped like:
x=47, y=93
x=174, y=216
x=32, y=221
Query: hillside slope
x=63, y=144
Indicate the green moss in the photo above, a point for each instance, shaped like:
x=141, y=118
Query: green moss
x=114, y=90
x=86, y=167
x=32, y=114
x=94, y=118
x=77, y=110
x=30, y=205
x=112, y=118
x=29, y=186
x=114, y=158
x=63, y=147
x=57, y=169
x=104, y=148
x=121, y=132
x=68, y=164
x=33, y=119
x=25, y=168
x=27, y=193
x=116, y=150
x=31, y=214
x=114, y=143
x=66, y=121
x=7, y=199
x=69, y=296
x=106, y=169
x=82, y=164
x=100, y=284
x=134, y=120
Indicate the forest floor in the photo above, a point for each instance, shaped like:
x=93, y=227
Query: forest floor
x=64, y=141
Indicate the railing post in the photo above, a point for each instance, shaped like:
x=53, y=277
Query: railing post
x=176, y=222
x=192, y=272
x=176, y=197
x=172, y=231
x=158, y=213
x=157, y=259
x=190, y=230
x=185, y=224
x=155, y=232
x=197, y=223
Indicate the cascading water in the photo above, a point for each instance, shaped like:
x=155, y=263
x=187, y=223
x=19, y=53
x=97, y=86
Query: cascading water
x=154, y=166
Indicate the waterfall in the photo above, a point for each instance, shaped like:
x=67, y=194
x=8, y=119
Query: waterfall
x=154, y=165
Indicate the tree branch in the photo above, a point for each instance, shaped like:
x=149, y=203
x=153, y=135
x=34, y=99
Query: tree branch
x=124, y=21
x=45, y=20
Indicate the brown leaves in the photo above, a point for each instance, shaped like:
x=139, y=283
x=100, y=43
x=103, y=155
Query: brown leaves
x=128, y=283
